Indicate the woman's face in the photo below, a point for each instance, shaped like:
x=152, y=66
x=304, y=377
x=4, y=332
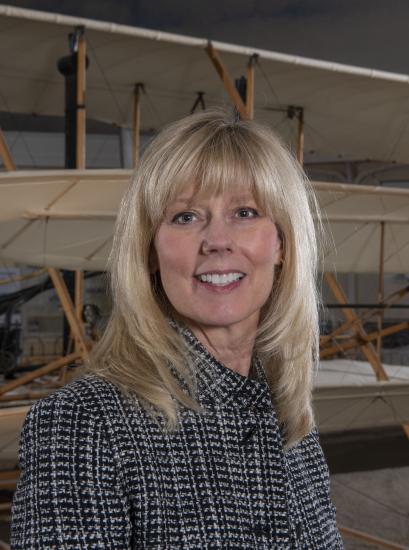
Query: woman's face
x=216, y=256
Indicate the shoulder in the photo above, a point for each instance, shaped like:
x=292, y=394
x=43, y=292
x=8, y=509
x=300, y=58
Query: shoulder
x=79, y=418
x=83, y=394
x=86, y=405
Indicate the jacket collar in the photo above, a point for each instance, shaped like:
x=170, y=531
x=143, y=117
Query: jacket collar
x=220, y=385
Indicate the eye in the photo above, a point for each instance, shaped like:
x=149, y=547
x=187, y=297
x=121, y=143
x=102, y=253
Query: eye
x=184, y=218
x=246, y=212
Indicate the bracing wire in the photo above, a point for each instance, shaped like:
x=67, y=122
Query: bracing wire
x=269, y=85
x=153, y=109
x=369, y=497
x=20, y=133
x=106, y=80
x=342, y=411
x=398, y=139
x=398, y=419
x=122, y=115
x=323, y=139
x=19, y=278
x=45, y=239
x=361, y=412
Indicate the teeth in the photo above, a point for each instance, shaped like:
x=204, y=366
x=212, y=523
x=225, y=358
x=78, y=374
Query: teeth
x=220, y=280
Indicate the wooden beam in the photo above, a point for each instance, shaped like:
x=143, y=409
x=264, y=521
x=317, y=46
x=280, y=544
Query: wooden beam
x=250, y=87
x=136, y=122
x=354, y=533
x=364, y=315
x=367, y=348
x=69, y=310
x=5, y=154
x=80, y=165
x=352, y=188
x=8, y=485
x=79, y=303
x=54, y=365
x=370, y=218
x=227, y=81
x=300, y=137
x=381, y=286
x=9, y=474
x=70, y=215
x=81, y=87
x=358, y=342
x=79, y=293
x=28, y=396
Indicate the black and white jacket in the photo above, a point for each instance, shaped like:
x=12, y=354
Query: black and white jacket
x=99, y=473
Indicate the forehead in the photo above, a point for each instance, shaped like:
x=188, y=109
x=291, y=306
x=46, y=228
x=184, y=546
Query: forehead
x=193, y=194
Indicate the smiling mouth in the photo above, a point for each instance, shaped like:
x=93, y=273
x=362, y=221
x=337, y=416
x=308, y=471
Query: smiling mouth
x=220, y=279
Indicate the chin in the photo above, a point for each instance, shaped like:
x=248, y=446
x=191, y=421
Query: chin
x=219, y=320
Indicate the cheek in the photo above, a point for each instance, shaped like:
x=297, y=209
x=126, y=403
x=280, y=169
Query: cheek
x=172, y=256
x=265, y=248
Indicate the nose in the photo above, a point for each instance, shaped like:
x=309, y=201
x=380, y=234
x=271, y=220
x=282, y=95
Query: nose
x=217, y=237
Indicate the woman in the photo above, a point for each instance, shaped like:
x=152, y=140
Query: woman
x=193, y=428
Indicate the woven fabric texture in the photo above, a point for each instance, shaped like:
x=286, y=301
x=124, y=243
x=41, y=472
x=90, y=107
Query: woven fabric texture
x=99, y=472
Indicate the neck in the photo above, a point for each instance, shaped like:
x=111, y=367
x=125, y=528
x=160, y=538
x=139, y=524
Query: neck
x=232, y=345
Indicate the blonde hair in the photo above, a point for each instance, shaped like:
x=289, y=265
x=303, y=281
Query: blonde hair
x=217, y=152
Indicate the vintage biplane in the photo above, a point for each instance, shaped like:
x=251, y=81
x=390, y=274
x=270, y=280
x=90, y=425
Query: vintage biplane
x=142, y=79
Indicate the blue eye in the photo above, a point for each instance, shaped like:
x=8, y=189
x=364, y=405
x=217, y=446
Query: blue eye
x=247, y=212
x=183, y=218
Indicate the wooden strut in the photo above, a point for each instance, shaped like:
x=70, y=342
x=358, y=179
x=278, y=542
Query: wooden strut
x=9, y=474
x=367, y=348
x=5, y=153
x=364, y=315
x=358, y=342
x=28, y=396
x=81, y=87
x=30, y=376
x=79, y=302
x=300, y=140
x=227, y=81
x=73, y=315
x=363, y=338
x=69, y=310
x=80, y=162
x=5, y=506
x=136, y=122
x=381, y=286
x=354, y=533
x=250, y=86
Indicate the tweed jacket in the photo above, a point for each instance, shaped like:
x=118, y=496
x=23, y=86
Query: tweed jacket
x=98, y=472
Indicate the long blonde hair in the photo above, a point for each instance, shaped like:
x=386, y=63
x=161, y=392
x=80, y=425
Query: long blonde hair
x=217, y=152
